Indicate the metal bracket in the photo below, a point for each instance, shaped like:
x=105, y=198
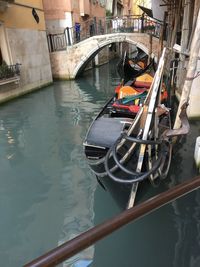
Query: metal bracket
x=183, y=130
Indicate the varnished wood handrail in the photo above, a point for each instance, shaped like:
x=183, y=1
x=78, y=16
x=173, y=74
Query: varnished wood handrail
x=72, y=247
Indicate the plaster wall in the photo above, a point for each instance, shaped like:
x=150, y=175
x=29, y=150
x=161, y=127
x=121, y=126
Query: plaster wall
x=58, y=25
x=57, y=11
x=31, y=3
x=19, y=16
x=84, y=7
x=97, y=11
x=29, y=48
x=63, y=14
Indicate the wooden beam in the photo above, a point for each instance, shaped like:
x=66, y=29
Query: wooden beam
x=184, y=42
x=191, y=70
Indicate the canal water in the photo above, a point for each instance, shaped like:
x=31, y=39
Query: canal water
x=48, y=194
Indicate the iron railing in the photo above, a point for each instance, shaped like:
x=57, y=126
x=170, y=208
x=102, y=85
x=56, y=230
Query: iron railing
x=101, y=26
x=56, y=42
x=9, y=71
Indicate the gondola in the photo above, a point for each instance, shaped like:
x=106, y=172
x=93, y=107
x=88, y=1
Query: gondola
x=130, y=68
x=127, y=143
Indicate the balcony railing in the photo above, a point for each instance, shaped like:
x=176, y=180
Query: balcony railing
x=9, y=73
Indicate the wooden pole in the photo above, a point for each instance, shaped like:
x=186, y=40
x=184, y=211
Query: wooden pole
x=150, y=105
x=162, y=32
x=195, y=15
x=150, y=49
x=172, y=37
x=176, y=23
x=191, y=70
x=184, y=42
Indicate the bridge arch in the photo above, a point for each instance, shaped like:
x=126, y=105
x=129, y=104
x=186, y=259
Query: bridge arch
x=75, y=58
x=96, y=50
x=113, y=38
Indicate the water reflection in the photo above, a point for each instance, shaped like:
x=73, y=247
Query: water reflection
x=72, y=105
x=76, y=105
x=47, y=190
x=18, y=192
x=187, y=209
x=187, y=246
x=48, y=195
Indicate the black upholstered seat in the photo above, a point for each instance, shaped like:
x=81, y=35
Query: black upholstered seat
x=105, y=131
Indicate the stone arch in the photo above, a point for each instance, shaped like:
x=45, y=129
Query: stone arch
x=102, y=42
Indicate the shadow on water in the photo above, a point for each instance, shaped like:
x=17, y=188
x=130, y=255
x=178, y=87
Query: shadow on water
x=48, y=194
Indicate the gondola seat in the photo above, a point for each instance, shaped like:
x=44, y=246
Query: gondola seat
x=126, y=91
x=143, y=81
x=105, y=131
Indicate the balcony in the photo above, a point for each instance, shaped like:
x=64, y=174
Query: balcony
x=9, y=73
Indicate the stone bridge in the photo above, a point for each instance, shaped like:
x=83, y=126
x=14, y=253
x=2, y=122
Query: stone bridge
x=69, y=63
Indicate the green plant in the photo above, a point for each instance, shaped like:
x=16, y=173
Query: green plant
x=108, y=13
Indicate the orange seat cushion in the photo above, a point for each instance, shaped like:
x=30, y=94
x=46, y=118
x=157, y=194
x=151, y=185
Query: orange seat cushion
x=142, y=84
x=144, y=80
x=126, y=90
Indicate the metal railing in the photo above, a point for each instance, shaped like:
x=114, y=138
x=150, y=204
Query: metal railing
x=9, y=71
x=101, y=26
x=56, y=42
x=72, y=247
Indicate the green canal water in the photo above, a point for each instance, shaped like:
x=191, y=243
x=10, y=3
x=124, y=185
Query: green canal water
x=48, y=194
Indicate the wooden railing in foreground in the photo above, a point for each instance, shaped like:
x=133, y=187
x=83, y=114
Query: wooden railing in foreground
x=70, y=248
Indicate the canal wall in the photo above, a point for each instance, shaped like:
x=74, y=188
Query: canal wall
x=28, y=48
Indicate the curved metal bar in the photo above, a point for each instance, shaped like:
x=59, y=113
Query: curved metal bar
x=117, y=161
x=141, y=141
x=113, y=152
x=185, y=126
x=114, y=168
x=137, y=178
